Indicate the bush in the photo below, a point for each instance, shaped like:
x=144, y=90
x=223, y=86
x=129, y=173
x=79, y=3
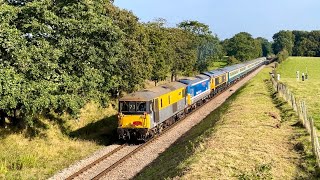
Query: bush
x=232, y=60
x=282, y=55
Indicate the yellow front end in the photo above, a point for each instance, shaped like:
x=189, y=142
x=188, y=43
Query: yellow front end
x=134, y=121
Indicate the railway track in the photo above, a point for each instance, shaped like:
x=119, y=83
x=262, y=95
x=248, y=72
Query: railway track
x=99, y=169
x=121, y=158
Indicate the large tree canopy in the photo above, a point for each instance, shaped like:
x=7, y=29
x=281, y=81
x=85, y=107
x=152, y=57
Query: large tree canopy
x=243, y=47
x=283, y=40
x=208, y=45
x=59, y=54
x=297, y=43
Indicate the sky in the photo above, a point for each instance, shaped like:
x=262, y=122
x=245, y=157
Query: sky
x=260, y=18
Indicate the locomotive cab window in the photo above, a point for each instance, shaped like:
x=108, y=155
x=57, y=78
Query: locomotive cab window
x=133, y=107
x=124, y=106
x=141, y=106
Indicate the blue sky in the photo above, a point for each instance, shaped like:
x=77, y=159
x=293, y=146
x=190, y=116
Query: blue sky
x=227, y=17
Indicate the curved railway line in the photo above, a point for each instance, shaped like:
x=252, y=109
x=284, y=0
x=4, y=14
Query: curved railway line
x=100, y=167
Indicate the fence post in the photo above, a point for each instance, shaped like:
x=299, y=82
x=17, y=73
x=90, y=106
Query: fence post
x=315, y=142
x=312, y=136
x=302, y=114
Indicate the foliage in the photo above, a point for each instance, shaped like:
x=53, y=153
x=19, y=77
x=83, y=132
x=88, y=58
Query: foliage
x=297, y=43
x=54, y=54
x=208, y=46
x=306, y=43
x=232, y=60
x=282, y=55
x=283, y=40
x=243, y=47
x=182, y=52
x=266, y=46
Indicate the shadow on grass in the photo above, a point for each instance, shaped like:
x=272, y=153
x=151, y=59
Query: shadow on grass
x=302, y=145
x=30, y=131
x=168, y=164
x=103, y=132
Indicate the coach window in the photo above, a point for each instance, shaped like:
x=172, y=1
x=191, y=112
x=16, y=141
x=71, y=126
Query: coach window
x=161, y=102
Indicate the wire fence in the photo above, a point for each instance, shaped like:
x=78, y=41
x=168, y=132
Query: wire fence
x=301, y=108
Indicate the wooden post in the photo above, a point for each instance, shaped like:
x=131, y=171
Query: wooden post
x=312, y=135
x=317, y=148
x=301, y=114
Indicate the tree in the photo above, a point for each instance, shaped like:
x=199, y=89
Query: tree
x=266, y=46
x=58, y=55
x=195, y=27
x=208, y=46
x=157, y=47
x=182, y=51
x=243, y=47
x=283, y=40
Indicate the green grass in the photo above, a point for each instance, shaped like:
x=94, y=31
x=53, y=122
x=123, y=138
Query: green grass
x=308, y=90
x=60, y=143
x=218, y=64
x=240, y=140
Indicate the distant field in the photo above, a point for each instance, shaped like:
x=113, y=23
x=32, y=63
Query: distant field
x=306, y=90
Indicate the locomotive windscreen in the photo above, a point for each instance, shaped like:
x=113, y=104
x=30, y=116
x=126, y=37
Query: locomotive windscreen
x=132, y=106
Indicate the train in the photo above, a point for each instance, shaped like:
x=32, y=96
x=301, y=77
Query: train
x=146, y=113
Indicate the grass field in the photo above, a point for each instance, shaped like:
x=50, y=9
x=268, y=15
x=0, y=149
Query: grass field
x=58, y=144
x=308, y=90
x=240, y=140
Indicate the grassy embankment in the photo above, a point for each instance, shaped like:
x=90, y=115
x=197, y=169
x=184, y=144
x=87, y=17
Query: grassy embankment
x=308, y=90
x=60, y=142
x=241, y=140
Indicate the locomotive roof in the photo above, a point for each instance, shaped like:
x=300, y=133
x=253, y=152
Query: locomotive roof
x=214, y=73
x=149, y=94
x=194, y=80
